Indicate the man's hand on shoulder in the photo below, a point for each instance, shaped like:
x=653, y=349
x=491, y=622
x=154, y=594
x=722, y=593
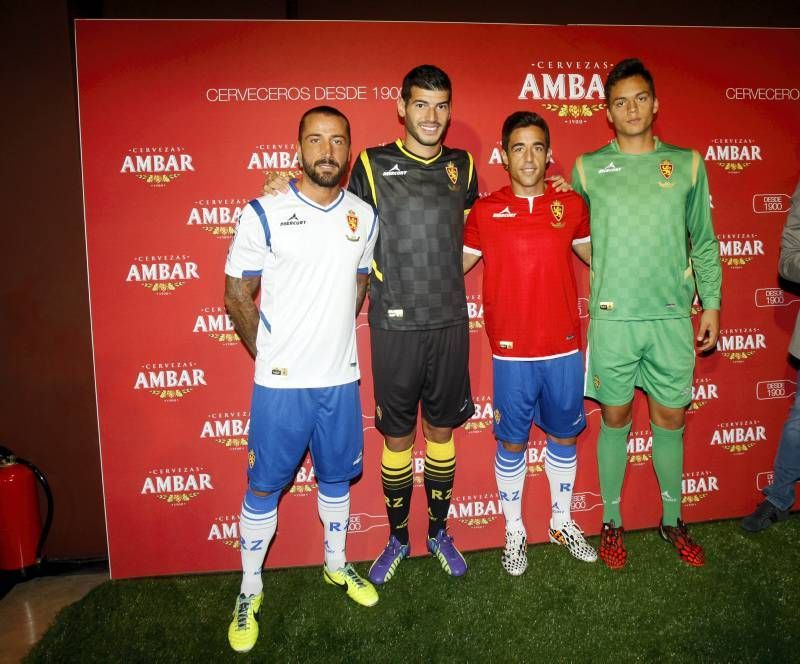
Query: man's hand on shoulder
x=707, y=330
x=277, y=182
x=559, y=184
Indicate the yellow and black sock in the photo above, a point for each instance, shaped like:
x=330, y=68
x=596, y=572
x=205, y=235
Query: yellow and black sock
x=440, y=470
x=398, y=482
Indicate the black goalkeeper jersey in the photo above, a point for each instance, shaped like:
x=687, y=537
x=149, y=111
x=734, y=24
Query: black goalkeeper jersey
x=417, y=281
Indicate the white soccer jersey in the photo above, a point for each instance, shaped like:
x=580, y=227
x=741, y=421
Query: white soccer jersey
x=307, y=257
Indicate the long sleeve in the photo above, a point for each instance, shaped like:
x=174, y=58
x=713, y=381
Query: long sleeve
x=704, y=243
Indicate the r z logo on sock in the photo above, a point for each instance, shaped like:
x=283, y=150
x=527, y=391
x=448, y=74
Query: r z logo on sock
x=255, y=545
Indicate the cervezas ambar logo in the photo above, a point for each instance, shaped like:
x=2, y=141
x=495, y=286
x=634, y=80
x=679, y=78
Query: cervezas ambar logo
x=227, y=428
x=738, y=249
x=225, y=530
x=177, y=486
x=170, y=381
x=217, y=216
x=305, y=481
x=697, y=485
x=739, y=436
x=572, y=88
x=703, y=391
x=733, y=155
x=481, y=419
x=157, y=165
x=535, y=456
x=418, y=466
x=475, y=511
x=640, y=447
x=475, y=311
x=213, y=322
x=740, y=344
x=162, y=274
x=280, y=158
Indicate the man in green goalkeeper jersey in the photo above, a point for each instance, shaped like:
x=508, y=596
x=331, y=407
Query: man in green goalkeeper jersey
x=652, y=240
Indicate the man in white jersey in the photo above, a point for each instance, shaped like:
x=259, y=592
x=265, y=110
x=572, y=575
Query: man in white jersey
x=310, y=251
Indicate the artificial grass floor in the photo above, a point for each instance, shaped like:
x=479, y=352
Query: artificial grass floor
x=744, y=605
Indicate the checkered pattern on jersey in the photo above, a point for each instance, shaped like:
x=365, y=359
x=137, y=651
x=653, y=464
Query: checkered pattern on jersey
x=639, y=233
x=418, y=252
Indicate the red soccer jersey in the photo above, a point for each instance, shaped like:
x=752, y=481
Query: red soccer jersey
x=530, y=300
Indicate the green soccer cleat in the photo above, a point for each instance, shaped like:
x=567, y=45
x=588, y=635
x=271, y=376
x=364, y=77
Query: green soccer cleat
x=243, y=630
x=358, y=589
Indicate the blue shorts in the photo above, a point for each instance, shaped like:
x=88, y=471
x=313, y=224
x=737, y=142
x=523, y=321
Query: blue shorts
x=547, y=392
x=284, y=423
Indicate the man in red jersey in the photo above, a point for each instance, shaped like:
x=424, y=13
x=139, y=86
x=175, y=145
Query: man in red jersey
x=526, y=233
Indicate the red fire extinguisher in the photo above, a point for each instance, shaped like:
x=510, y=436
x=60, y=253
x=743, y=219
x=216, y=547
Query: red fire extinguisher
x=22, y=534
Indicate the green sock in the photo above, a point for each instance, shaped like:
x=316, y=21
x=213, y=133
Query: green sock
x=612, y=458
x=668, y=463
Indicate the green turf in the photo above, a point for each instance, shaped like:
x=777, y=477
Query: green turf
x=744, y=605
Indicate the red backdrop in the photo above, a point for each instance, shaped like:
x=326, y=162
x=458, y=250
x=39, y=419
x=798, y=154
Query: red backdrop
x=179, y=122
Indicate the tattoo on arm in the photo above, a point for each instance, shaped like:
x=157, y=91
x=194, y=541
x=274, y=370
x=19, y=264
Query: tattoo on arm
x=239, y=294
x=362, y=281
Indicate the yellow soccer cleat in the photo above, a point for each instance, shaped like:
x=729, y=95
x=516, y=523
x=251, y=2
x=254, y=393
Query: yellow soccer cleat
x=243, y=630
x=359, y=590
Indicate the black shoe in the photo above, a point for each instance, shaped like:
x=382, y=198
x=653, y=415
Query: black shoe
x=763, y=517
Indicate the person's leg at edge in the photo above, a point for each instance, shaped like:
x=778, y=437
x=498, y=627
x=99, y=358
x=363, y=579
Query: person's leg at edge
x=786, y=468
x=780, y=495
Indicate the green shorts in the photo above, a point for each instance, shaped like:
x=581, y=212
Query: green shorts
x=655, y=355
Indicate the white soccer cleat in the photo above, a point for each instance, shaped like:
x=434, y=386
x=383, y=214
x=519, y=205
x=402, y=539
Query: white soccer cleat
x=571, y=536
x=515, y=554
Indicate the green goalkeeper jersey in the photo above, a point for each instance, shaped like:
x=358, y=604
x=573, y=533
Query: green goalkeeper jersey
x=651, y=232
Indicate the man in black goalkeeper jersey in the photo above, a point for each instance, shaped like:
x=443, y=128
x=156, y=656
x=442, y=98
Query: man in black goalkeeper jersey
x=418, y=310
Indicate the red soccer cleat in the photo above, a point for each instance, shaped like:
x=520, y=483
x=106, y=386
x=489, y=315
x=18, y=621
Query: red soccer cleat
x=690, y=551
x=612, y=549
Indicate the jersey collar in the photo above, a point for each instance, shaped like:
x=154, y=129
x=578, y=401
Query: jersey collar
x=308, y=201
x=615, y=146
x=411, y=155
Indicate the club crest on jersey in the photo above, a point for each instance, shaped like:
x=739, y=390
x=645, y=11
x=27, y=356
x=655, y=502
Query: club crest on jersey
x=666, y=169
x=452, y=172
x=251, y=459
x=352, y=224
x=557, y=210
x=497, y=416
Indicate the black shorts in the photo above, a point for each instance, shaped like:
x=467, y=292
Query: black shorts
x=413, y=366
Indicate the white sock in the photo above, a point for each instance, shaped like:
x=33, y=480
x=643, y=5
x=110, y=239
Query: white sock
x=335, y=515
x=510, y=471
x=257, y=524
x=560, y=464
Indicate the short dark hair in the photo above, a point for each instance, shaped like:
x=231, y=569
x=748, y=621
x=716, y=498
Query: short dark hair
x=521, y=119
x=322, y=110
x=626, y=69
x=427, y=77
